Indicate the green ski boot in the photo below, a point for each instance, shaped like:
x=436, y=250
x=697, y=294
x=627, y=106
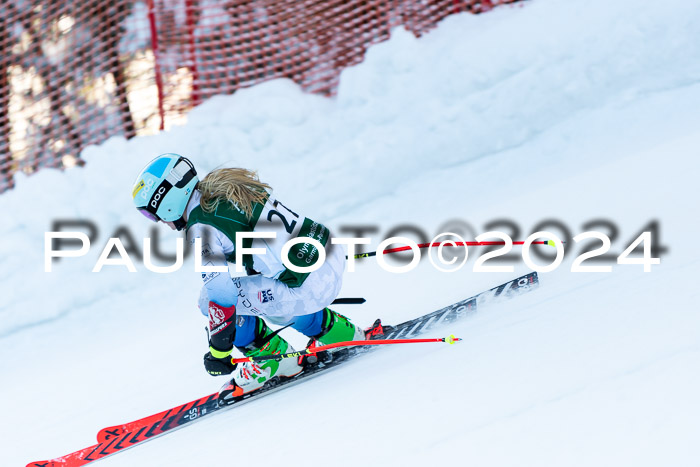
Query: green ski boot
x=335, y=328
x=338, y=328
x=251, y=376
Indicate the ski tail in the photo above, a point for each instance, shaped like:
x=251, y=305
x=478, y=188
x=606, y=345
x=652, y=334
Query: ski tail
x=112, y=432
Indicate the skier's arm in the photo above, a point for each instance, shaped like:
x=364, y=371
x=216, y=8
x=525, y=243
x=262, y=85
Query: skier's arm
x=215, y=246
x=222, y=331
x=223, y=297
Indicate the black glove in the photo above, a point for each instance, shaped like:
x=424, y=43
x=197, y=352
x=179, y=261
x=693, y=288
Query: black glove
x=218, y=366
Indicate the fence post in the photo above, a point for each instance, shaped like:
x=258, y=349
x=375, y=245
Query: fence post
x=154, y=45
x=6, y=161
x=189, y=13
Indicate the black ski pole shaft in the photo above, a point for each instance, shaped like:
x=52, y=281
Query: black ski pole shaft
x=348, y=301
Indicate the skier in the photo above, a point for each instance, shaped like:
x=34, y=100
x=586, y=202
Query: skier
x=224, y=203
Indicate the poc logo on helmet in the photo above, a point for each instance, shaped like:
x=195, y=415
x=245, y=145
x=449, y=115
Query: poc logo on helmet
x=146, y=189
x=157, y=196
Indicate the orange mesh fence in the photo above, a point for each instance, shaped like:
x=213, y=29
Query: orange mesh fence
x=76, y=73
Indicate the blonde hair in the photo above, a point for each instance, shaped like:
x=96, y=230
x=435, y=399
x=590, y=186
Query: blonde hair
x=242, y=187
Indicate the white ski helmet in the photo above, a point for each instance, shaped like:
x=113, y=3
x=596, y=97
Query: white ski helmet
x=164, y=187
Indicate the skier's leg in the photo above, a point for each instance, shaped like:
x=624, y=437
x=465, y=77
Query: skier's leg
x=261, y=340
x=246, y=330
x=328, y=327
x=309, y=325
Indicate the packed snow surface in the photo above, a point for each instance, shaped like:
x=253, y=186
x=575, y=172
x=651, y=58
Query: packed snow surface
x=559, y=109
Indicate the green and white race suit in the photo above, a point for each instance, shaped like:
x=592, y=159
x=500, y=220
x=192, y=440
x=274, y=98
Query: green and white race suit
x=276, y=292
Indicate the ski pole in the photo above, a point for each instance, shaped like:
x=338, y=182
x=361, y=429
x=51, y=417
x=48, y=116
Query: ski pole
x=453, y=244
x=451, y=339
x=348, y=301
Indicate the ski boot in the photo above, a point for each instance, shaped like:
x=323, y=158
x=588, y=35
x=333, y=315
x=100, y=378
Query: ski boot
x=378, y=330
x=338, y=328
x=251, y=376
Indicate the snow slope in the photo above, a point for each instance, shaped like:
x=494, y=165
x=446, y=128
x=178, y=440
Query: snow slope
x=572, y=110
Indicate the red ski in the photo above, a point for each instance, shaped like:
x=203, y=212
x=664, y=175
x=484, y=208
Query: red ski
x=117, y=438
x=106, y=434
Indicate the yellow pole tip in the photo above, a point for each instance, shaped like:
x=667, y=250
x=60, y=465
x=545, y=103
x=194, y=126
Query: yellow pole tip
x=451, y=339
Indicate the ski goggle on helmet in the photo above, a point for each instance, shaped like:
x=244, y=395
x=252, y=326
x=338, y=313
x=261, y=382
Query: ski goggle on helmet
x=164, y=187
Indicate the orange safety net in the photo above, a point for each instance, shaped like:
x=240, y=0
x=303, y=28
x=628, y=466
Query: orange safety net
x=75, y=73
